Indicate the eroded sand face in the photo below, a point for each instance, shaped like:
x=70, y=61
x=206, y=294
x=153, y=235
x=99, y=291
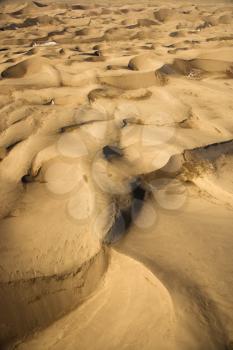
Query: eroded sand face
x=116, y=176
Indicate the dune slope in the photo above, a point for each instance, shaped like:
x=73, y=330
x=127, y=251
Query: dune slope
x=116, y=163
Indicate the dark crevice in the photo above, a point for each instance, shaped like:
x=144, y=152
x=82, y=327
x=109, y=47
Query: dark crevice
x=124, y=217
x=72, y=127
x=10, y=147
x=110, y=152
x=39, y=4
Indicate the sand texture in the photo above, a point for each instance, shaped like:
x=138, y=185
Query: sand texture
x=116, y=175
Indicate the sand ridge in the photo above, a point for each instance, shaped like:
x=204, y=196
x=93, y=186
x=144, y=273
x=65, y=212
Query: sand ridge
x=116, y=175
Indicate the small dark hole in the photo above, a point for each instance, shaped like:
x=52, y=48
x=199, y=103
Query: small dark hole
x=27, y=179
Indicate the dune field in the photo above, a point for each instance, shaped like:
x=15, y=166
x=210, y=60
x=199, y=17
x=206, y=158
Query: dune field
x=116, y=175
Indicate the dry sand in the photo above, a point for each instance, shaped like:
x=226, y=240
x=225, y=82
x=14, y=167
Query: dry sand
x=116, y=168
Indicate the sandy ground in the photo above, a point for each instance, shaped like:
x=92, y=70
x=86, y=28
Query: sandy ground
x=116, y=164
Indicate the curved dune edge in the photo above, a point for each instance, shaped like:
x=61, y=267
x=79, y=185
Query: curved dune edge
x=203, y=320
x=30, y=298
x=125, y=282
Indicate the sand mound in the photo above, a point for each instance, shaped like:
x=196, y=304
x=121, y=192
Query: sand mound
x=33, y=71
x=163, y=14
x=23, y=68
x=130, y=81
x=29, y=297
x=121, y=285
x=116, y=175
x=225, y=19
x=14, y=8
x=204, y=63
x=204, y=164
x=147, y=61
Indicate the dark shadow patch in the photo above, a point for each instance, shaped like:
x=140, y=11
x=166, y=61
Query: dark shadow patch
x=17, y=13
x=79, y=7
x=10, y=147
x=124, y=217
x=39, y=4
x=110, y=152
x=29, y=22
x=25, y=179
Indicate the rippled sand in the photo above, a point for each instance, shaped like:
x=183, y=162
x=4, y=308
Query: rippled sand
x=116, y=168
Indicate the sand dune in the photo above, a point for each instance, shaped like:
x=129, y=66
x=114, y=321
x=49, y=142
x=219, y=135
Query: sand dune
x=116, y=150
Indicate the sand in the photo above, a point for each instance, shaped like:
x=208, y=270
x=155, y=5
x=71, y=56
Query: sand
x=116, y=163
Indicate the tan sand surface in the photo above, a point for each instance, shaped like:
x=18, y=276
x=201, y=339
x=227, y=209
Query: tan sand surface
x=116, y=175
